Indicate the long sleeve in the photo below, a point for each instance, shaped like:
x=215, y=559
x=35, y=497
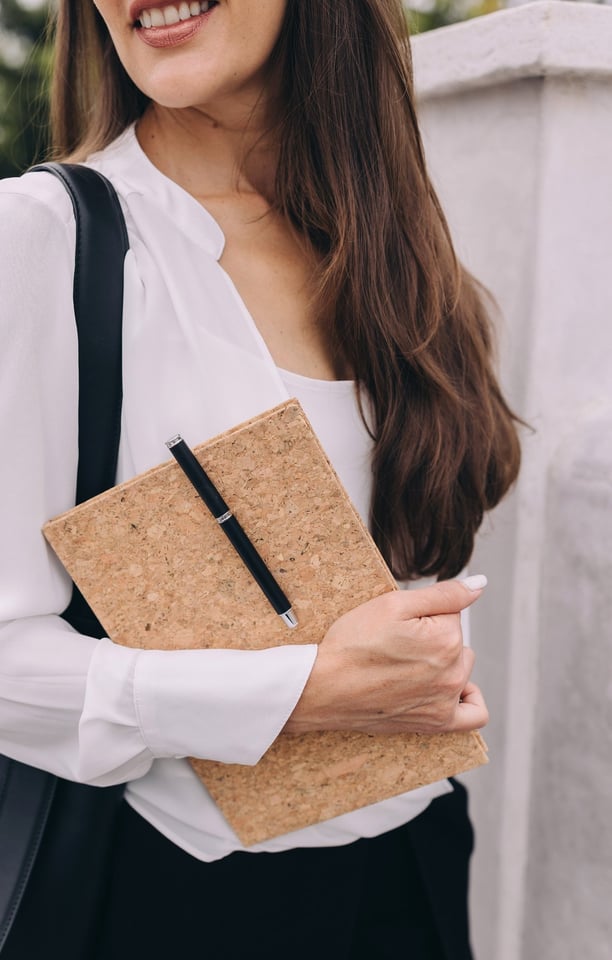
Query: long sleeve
x=83, y=708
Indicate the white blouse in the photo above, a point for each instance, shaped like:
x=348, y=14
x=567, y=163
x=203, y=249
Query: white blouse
x=87, y=709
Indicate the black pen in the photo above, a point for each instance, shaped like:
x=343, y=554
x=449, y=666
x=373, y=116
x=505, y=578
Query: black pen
x=200, y=480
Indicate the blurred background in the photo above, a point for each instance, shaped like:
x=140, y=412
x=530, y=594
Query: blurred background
x=25, y=60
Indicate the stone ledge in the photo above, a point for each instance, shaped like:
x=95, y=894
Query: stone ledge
x=549, y=38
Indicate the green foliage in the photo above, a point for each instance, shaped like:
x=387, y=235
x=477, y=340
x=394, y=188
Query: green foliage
x=25, y=60
x=430, y=14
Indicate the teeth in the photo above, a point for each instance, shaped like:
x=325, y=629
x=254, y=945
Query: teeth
x=166, y=16
x=171, y=15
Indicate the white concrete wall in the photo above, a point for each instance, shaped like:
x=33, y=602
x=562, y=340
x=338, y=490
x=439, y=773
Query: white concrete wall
x=516, y=110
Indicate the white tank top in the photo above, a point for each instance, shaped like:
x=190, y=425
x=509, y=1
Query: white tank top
x=333, y=411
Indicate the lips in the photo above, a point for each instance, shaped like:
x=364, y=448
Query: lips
x=170, y=24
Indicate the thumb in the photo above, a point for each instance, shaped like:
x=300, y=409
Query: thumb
x=447, y=596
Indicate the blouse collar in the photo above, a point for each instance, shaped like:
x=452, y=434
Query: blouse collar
x=128, y=167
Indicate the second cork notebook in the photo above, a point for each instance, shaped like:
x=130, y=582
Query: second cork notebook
x=159, y=574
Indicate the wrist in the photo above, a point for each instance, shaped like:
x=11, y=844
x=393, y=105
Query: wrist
x=314, y=708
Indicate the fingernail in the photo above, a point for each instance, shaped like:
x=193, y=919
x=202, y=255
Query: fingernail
x=477, y=582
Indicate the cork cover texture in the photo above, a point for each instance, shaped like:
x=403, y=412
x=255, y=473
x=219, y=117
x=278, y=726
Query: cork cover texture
x=159, y=573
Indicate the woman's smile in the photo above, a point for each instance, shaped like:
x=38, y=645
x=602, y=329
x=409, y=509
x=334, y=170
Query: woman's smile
x=164, y=26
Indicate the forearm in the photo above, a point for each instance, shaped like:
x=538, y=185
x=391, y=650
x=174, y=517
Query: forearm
x=94, y=712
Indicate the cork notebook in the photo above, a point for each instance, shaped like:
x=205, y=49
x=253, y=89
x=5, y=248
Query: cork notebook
x=159, y=573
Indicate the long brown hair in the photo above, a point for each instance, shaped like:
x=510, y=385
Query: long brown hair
x=404, y=315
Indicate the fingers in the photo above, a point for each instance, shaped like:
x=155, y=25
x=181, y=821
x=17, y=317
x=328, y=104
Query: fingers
x=447, y=596
x=472, y=712
x=403, y=665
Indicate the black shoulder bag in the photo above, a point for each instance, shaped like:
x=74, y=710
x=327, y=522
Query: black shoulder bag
x=54, y=834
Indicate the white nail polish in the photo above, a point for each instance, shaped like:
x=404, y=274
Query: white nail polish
x=477, y=582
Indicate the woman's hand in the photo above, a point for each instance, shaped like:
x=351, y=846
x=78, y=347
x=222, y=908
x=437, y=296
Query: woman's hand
x=395, y=664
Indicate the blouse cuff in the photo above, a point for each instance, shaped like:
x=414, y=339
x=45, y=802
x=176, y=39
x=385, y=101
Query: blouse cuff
x=224, y=705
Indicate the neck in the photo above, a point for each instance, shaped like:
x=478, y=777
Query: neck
x=209, y=156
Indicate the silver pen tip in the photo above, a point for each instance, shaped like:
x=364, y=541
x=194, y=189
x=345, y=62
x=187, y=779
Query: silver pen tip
x=289, y=618
x=172, y=442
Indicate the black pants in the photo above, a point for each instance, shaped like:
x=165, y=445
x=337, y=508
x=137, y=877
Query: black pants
x=401, y=895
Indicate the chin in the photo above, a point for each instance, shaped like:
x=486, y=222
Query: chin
x=174, y=96
x=178, y=91
x=174, y=102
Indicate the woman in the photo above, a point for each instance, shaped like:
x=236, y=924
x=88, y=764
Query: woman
x=285, y=240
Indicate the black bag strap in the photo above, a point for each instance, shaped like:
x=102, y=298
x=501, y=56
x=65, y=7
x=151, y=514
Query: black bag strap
x=101, y=246
x=26, y=794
